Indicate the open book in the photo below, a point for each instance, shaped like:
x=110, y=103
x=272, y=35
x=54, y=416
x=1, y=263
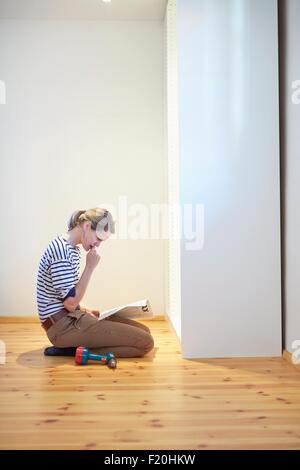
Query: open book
x=139, y=309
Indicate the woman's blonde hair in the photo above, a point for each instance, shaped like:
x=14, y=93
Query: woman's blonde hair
x=98, y=217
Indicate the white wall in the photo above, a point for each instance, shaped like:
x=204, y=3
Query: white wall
x=290, y=123
x=173, y=285
x=229, y=161
x=82, y=124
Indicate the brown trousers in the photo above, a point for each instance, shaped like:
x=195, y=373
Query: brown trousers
x=123, y=337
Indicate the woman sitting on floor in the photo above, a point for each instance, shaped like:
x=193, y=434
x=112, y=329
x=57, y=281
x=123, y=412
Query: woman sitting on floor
x=60, y=291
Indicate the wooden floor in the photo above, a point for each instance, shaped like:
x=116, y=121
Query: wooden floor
x=156, y=402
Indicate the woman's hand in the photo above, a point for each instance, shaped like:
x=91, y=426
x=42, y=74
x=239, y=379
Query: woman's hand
x=90, y=311
x=92, y=259
x=94, y=313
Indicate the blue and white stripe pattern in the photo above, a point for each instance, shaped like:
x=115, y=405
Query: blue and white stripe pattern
x=58, y=274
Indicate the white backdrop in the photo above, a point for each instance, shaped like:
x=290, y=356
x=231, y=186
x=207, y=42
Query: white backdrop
x=82, y=125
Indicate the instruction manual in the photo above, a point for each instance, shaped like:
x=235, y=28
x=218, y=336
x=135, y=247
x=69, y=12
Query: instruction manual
x=138, y=309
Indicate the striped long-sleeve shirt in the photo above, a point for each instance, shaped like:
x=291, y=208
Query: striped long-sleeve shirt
x=58, y=274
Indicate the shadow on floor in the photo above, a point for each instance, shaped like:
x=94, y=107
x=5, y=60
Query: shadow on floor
x=37, y=360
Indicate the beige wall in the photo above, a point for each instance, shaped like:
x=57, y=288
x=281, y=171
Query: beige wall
x=82, y=125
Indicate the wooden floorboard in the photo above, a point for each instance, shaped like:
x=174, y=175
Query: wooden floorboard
x=160, y=401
